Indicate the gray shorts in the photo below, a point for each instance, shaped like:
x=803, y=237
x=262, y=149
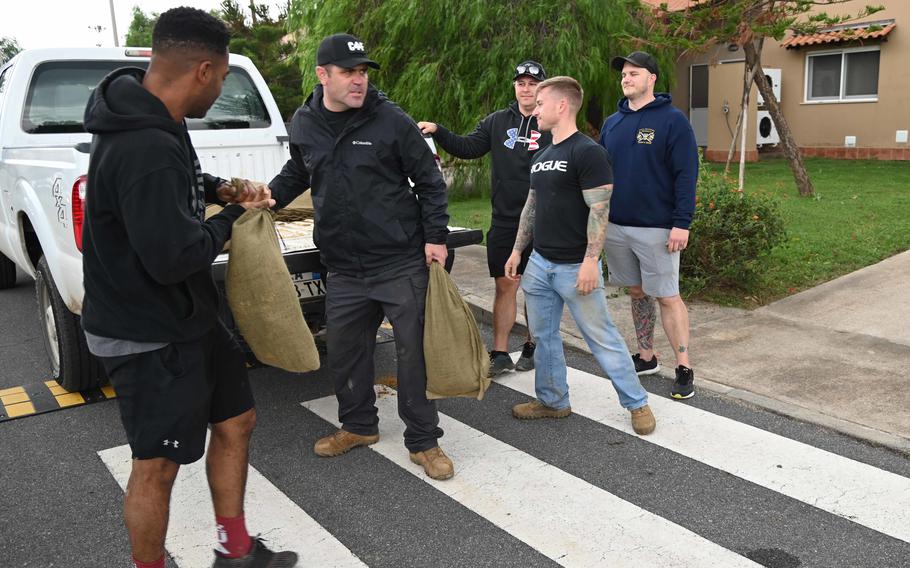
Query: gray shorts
x=638, y=256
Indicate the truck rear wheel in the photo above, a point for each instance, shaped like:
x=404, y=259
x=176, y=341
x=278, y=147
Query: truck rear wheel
x=72, y=366
x=7, y=273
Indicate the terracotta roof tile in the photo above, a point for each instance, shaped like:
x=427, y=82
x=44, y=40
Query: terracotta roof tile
x=861, y=31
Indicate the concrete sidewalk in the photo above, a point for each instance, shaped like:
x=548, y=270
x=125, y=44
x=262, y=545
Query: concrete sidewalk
x=835, y=355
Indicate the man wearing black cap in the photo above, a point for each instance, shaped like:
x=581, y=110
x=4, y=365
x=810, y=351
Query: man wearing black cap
x=513, y=137
x=655, y=166
x=357, y=150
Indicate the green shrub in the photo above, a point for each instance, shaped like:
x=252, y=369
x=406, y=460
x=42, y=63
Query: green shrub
x=731, y=235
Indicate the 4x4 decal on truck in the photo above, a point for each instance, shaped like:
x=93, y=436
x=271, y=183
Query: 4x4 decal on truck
x=58, y=200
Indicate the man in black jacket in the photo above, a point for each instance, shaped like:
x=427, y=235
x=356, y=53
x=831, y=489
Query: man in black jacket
x=357, y=150
x=512, y=137
x=151, y=306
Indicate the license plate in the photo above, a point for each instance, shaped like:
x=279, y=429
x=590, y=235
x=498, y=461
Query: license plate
x=308, y=284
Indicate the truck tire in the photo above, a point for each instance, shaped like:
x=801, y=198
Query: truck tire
x=72, y=366
x=7, y=273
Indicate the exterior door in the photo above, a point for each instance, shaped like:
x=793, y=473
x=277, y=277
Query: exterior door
x=698, y=102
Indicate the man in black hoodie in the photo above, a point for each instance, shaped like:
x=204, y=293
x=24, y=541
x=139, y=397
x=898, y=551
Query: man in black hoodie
x=151, y=306
x=512, y=137
x=357, y=151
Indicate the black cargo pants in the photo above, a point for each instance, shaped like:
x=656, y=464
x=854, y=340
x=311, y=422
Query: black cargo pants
x=355, y=307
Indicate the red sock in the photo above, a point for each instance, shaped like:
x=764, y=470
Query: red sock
x=156, y=564
x=233, y=540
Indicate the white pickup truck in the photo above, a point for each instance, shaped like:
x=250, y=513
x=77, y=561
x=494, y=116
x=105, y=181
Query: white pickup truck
x=44, y=158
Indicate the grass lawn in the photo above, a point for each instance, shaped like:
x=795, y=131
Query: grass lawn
x=859, y=216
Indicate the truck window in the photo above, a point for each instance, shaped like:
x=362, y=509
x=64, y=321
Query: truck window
x=239, y=106
x=59, y=91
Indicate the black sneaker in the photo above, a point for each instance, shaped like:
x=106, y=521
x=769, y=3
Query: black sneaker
x=258, y=557
x=643, y=367
x=526, y=361
x=500, y=362
x=684, y=386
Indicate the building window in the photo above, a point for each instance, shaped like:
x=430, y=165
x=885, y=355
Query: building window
x=850, y=74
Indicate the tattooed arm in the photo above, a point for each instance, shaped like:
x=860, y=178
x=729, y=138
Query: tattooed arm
x=598, y=201
x=525, y=233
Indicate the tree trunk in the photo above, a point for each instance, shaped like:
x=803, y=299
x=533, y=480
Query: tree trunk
x=791, y=150
x=748, y=77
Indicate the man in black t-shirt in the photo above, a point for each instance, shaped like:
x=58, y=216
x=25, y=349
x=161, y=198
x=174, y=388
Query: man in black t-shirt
x=566, y=213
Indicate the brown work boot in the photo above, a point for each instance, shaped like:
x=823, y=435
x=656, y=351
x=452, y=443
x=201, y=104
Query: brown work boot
x=643, y=420
x=536, y=409
x=435, y=463
x=342, y=442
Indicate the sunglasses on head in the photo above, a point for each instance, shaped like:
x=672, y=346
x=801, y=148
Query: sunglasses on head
x=527, y=69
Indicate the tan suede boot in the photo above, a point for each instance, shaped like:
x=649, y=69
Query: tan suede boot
x=643, y=420
x=435, y=463
x=341, y=442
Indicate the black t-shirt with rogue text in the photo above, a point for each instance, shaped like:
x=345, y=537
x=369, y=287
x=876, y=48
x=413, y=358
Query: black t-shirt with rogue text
x=559, y=173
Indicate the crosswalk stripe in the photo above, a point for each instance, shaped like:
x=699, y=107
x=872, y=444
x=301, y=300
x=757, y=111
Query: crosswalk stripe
x=874, y=498
x=585, y=526
x=269, y=512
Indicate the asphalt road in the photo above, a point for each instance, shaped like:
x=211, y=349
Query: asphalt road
x=61, y=506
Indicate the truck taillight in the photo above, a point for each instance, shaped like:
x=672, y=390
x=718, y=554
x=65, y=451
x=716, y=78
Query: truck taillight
x=78, y=208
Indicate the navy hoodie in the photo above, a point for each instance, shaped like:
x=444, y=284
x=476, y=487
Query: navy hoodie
x=655, y=165
x=147, y=252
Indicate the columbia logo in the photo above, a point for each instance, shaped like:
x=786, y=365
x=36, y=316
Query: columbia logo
x=361, y=143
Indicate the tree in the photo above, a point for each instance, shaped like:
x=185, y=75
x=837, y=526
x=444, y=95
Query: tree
x=262, y=38
x=747, y=23
x=9, y=47
x=452, y=62
x=140, y=30
x=265, y=40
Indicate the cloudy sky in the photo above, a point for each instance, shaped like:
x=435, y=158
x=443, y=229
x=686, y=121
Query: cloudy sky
x=71, y=23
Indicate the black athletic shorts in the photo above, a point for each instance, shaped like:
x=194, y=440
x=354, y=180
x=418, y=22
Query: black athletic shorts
x=169, y=396
x=499, y=248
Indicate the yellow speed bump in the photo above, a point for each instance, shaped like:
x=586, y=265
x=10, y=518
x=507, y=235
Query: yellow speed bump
x=16, y=402
x=63, y=397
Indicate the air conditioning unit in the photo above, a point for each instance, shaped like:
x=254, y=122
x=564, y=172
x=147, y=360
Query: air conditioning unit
x=766, y=132
x=772, y=77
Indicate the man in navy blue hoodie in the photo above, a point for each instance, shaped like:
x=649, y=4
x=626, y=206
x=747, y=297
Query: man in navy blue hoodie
x=655, y=165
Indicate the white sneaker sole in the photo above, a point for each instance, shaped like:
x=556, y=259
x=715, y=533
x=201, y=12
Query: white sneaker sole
x=653, y=371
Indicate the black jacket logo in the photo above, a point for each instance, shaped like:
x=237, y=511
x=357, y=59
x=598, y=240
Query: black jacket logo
x=645, y=136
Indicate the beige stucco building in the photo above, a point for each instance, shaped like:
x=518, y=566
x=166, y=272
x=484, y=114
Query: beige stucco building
x=845, y=92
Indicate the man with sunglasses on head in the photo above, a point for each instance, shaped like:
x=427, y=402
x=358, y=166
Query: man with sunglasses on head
x=512, y=137
x=655, y=163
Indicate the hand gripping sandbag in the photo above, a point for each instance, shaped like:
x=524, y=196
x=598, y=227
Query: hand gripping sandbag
x=262, y=297
x=456, y=359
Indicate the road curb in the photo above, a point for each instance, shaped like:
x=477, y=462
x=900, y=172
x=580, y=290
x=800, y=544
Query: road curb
x=484, y=315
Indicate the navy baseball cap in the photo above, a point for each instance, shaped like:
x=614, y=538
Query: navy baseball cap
x=532, y=69
x=343, y=50
x=638, y=59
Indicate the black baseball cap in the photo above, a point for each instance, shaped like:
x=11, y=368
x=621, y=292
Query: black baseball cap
x=638, y=59
x=532, y=69
x=343, y=50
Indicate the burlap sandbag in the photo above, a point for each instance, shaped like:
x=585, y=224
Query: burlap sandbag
x=262, y=297
x=297, y=210
x=456, y=359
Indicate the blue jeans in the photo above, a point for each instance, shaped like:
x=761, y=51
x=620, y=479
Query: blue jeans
x=547, y=287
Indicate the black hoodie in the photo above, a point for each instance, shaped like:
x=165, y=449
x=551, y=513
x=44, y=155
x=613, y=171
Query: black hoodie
x=147, y=252
x=368, y=218
x=512, y=139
